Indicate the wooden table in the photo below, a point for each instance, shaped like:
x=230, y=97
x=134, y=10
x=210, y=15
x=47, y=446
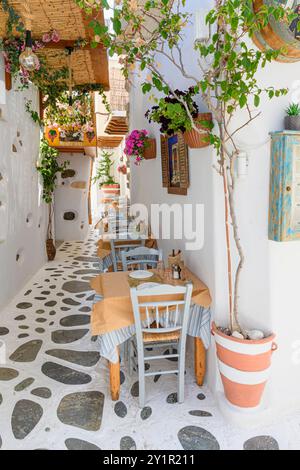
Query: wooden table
x=115, y=312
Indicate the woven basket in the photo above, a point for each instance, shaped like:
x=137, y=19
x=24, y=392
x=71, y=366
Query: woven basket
x=176, y=260
x=51, y=250
x=150, y=152
x=195, y=140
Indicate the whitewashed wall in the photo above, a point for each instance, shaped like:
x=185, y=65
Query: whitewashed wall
x=269, y=284
x=22, y=212
x=71, y=195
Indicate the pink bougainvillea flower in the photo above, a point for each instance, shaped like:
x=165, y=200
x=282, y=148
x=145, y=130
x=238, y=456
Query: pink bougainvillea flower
x=47, y=37
x=55, y=37
x=38, y=64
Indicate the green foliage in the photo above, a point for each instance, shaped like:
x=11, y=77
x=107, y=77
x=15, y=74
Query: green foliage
x=171, y=113
x=293, y=110
x=103, y=175
x=48, y=167
x=51, y=83
x=228, y=79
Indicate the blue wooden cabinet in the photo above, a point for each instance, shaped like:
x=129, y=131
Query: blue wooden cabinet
x=284, y=209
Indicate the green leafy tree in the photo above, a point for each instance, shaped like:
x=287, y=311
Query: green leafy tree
x=49, y=167
x=145, y=31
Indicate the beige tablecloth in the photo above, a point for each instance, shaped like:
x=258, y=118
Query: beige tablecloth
x=115, y=310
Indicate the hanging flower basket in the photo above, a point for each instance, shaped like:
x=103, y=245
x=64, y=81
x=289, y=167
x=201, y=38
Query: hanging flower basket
x=150, y=149
x=70, y=136
x=194, y=139
x=244, y=367
x=136, y=144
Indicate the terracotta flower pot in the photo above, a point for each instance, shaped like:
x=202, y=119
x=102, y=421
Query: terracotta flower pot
x=244, y=366
x=111, y=189
x=150, y=152
x=51, y=250
x=195, y=140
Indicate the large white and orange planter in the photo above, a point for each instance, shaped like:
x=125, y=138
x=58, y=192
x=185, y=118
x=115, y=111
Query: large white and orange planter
x=111, y=189
x=244, y=367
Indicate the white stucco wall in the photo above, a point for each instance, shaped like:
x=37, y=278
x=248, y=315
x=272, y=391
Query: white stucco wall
x=22, y=212
x=71, y=198
x=269, y=283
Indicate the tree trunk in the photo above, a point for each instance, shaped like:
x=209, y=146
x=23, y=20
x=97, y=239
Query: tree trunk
x=227, y=232
x=236, y=236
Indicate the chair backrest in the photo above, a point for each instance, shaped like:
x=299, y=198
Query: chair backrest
x=168, y=307
x=121, y=244
x=141, y=258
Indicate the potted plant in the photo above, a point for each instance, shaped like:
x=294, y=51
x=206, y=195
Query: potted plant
x=49, y=168
x=292, y=119
x=140, y=146
x=229, y=69
x=122, y=168
x=103, y=175
x=174, y=115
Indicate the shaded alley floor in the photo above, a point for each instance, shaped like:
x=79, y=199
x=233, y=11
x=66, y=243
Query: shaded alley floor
x=54, y=387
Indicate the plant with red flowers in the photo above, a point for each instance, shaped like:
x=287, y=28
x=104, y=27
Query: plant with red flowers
x=122, y=169
x=135, y=144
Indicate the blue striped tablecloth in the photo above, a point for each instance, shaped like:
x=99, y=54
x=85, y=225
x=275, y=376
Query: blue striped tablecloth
x=199, y=327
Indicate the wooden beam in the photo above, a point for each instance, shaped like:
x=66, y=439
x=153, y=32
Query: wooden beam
x=109, y=141
x=8, y=80
x=41, y=105
x=98, y=55
x=70, y=149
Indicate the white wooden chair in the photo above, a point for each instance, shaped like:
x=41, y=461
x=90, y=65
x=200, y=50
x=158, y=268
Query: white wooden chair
x=174, y=316
x=122, y=244
x=141, y=258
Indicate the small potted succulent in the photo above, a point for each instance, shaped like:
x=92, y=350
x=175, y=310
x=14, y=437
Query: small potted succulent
x=173, y=117
x=292, y=119
x=140, y=146
x=103, y=177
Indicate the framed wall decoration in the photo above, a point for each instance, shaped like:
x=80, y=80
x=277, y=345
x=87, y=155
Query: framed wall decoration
x=175, y=164
x=280, y=34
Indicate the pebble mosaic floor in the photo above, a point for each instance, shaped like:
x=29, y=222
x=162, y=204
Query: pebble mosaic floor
x=54, y=387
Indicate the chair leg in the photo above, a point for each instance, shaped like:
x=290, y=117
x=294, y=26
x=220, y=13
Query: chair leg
x=129, y=352
x=141, y=375
x=141, y=385
x=181, y=377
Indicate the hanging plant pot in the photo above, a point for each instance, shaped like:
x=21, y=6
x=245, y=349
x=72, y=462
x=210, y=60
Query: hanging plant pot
x=244, y=366
x=111, y=189
x=195, y=140
x=278, y=35
x=51, y=250
x=150, y=151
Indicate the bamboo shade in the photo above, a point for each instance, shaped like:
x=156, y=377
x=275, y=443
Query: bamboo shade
x=88, y=65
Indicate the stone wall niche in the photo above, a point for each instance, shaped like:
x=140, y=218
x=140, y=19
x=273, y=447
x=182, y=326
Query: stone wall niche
x=70, y=216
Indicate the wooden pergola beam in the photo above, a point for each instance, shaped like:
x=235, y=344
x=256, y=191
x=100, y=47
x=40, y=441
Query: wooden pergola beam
x=65, y=44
